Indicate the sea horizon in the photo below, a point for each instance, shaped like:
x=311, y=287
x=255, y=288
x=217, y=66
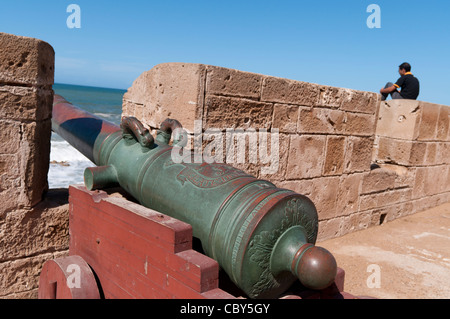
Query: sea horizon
x=90, y=86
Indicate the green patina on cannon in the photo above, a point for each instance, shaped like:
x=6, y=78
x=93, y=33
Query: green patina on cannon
x=261, y=235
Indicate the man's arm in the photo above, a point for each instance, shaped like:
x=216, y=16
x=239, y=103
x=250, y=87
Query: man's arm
x=388, y=90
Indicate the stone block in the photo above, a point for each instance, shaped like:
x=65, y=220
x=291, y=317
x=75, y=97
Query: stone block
x=429, y=121
x=358, y=124
x=443, y=124
x=26, y=61
x=306, y=156
x=223, y=81
x=321, y=120
x=355, y=222
x=227, y=112
x=273, y=167
x=25, y=103
x=399, y=119
x=401, y=152
x=419, y=183
x=431, y=153
x=10, y=136
x=28, y=144
x=358, y=154
x=285, y=118
x=378, y=180
x=435, y=180
x=20, y=277
x=324, y=196
x=330, y=96
x=12, y=198
x=35, y=231
x=169, y=90
x=289, y=91
x=417, y=155
x=348, y=194
x=390, y=197
x=443, y=153
x=330, y=228
x=35, y=159
x=9, y=171
x=334, y=158
x=302, y=186
x=359, y=101
x=404, y=176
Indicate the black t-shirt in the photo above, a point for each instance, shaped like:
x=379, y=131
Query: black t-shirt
x=409, y=85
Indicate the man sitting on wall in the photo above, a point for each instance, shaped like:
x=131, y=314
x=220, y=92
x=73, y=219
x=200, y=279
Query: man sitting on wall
x=408, y=83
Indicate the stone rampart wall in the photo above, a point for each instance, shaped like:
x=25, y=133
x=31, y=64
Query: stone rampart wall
x=342, y=148
x=33, y=222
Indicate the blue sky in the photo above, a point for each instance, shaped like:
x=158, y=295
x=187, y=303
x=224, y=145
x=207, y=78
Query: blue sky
x=325, y=42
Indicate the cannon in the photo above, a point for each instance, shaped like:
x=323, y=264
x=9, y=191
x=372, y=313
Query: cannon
x=262, y=236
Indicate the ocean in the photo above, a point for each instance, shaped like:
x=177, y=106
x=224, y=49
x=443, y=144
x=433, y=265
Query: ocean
x=66, y=163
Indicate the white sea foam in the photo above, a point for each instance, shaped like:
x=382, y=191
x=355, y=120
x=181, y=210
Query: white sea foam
x=67, y=165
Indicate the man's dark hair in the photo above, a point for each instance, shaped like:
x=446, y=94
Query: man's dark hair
x=405, y=66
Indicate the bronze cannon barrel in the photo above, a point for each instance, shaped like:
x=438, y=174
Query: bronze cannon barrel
x=261, y=235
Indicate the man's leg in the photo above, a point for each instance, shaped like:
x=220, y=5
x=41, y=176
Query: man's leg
x=385, y=95
x=396, y=95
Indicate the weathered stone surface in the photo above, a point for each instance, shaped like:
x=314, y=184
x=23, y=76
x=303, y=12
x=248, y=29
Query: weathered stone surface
x=359, y=101
x=169, y=90
x=38, y=230
x=29, y=237
x=401, y=152
x=26, y=61
x=443, y=124
x=289, y=92
x=372, y=201
x=330, y=228
x=320, y=120
x=429, y=120
x=330, y=96
x=358, y=154
x=324, y=195
x=285, y=118
x=9, y=180
x=378, y=180
x=399, y=119
x=334, y=158
x=302, y=186
x=306, y=156
x=10, y=134
x=19, y=278
x=348, y=194
x=25, y=103
x=359, y=124
x=227, y=112
x=223, y=81
x=35, y=159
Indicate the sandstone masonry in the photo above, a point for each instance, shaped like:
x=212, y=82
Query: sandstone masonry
x=360, y=160
x=33, y=222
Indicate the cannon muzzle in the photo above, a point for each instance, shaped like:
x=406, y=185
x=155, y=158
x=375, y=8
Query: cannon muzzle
x=261, y=235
